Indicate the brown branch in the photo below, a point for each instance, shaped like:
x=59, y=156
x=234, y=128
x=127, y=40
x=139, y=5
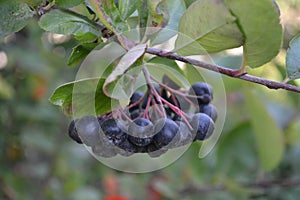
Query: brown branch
x=225, y=71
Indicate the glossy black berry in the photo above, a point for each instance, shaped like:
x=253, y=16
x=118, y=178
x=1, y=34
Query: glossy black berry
x=73, y=132
x=185, y=134
x=126, y=148
x=104, y=149
x=112, y=129
x=136, y=96
x=203, y=91
x=136, y=113
x=203, y=126
x=140, y=132
x=154, y=152
x=209, y=110
x=88, y=129
x=165, y=130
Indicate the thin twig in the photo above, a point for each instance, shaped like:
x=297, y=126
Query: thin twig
x=222, y=70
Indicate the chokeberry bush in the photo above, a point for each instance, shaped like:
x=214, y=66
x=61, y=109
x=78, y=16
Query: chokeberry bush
x=146, y=79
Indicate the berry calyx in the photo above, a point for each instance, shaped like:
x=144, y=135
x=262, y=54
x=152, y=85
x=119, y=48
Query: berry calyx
x=203, y=91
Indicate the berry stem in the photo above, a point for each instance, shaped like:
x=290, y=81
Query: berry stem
x=178, y=112
x=185, y=96
x=151, y=87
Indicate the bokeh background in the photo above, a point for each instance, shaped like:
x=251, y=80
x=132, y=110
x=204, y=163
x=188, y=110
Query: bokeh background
x=39, y=161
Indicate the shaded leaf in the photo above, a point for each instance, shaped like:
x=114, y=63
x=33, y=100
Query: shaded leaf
x=262, y=37
x=241, y=140
x=80, y=95
x=14, y=16
x=31, y=3
x=65, y=22
x=87, y=37
x=175, y=10
x=79, y=53
x=127, y=7
x=156, y=16
x=113, y=13
x=293, y=59
x=124, y=64
x=269, y=137
x=211, y=25
x=68, y=3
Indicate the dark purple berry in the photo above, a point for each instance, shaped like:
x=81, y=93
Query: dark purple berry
x=73, y=132
x=154, y=152
x=209, y=110
x=203, y=91
x=136, y=113
x=140, y=132
x=165, y=130
x=112, y=129
x=88, y=129
x=203, y=126
x=185, y=134
x=136, y=96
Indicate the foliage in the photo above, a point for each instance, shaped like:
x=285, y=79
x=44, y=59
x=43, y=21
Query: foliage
x=259, y=141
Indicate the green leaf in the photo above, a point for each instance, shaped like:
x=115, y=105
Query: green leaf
x=14, y=16
x=269, y=137
x=65, y=22
x=127, y=7
x=79, y=52
x=293, y=59
x=175, y=9
x=31, y=3
x=86, y=96
x=241, y=140
x=124, y=64
x=156, y=16
x=113, y=13
x=263, y=36
x=68, y=3
x=211, y=25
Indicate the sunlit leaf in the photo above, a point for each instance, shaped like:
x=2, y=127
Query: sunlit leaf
x=124, y=64
x=85, y=92
x=175, y=10
x=262, y=37
x=293, y=59
x=207, y=26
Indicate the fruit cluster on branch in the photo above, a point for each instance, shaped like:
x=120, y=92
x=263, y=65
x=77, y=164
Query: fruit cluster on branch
x=160, y=119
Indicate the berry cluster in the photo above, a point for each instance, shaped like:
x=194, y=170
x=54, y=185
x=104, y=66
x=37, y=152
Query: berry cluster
x=152, y=123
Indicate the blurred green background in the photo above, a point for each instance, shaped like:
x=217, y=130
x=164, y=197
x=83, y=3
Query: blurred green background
x=39, y=161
